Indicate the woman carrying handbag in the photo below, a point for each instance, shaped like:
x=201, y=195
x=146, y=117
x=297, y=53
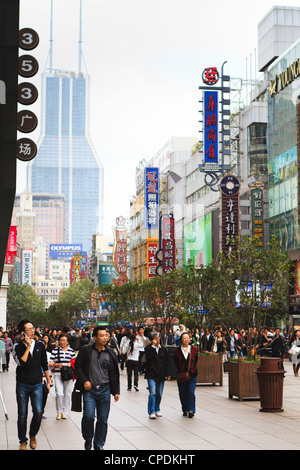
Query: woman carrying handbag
x=185, y=358
x=60, y=362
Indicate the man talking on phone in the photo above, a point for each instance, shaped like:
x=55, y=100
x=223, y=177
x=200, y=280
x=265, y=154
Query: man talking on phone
x=31, y=358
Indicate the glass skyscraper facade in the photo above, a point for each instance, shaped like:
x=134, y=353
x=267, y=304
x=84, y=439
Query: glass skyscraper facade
x=67, y=162
x=283, y=164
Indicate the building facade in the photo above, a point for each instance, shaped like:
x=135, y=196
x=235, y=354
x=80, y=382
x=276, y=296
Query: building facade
x=66, y=162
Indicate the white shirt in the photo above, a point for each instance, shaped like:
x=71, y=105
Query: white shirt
x=186, y=351
x=135, y=354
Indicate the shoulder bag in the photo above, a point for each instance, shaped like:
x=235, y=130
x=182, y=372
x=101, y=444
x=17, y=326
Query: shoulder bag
x=66, y=372
x=185, y=376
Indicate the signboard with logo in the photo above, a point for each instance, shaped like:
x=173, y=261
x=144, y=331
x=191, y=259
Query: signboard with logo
x=168, y=244
x=152, y=247
x=120, y=251
x=211, y=123
x=257, y=205
x=230, y=187
x=151, y=198
x=63, y=250
x=27, y=267
x=11, y=245
x=107, y=273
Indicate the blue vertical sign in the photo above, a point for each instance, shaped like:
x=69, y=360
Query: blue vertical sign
x=151, y=198
x=211, y=123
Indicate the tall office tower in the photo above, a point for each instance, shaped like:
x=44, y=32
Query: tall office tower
x=66, y=162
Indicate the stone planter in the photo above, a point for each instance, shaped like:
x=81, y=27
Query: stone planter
x=242, y=379
x=210, y=369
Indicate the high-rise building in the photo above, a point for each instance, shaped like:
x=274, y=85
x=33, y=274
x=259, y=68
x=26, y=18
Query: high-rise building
x=67, y=162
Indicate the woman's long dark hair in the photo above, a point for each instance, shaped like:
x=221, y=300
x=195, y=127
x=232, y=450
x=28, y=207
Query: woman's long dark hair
x=132, y=338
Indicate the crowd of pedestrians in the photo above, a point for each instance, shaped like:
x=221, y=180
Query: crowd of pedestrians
x=92, y=359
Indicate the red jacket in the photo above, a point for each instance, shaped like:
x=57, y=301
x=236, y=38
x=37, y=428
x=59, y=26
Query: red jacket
x=182, y=363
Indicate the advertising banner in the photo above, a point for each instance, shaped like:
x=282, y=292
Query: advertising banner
x=230, y=187
x=168, y=244
x=120, y=251
x=258, y=215
x=11, y=245
x=151, y=198
x=27, y=267
x=63, y=250
x=107, y=273
x=152, y=263
x=198, y=241
x=211, y=123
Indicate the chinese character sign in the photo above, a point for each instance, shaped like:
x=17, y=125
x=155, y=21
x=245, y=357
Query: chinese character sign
x=258, y=216
x=168, y=244
x=152, y=262
x=120, y=252
x=151, y=198
x=211, y=126
x=230, y=187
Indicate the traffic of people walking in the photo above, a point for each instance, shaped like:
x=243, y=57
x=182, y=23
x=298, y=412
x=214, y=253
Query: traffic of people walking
x=94, y=357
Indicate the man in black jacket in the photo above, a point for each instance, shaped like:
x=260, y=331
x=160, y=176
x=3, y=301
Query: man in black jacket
x=31, y=358
x=97, y=371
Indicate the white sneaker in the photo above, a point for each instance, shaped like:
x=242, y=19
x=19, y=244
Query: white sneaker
x=64, y=416
x=58, y=416
x=158, y=414
x=152, y=416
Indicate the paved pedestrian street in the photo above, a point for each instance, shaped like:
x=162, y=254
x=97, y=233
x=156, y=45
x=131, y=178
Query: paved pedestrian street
x=220, y=423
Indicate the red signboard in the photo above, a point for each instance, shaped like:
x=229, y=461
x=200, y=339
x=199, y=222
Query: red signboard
x=168, y=244
x=11, y=245
x=152, y=263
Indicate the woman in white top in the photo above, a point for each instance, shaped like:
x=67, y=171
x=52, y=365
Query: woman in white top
x=132, y=349
x=63, y=389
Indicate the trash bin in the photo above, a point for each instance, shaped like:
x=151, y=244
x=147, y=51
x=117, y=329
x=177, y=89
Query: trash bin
x=172, y=370
x=270, y=375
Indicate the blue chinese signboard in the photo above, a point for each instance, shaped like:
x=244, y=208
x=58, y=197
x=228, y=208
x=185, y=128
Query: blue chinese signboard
x=151, y=198
x=211, y=126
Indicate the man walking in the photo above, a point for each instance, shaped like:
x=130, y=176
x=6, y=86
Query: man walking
x=31, y=358
x=97, y=373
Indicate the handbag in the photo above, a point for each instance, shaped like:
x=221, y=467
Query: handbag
x=76, y=400
x=66, y=372
x=185, y=376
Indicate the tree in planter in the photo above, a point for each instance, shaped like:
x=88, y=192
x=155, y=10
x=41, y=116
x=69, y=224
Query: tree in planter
x=251, y=285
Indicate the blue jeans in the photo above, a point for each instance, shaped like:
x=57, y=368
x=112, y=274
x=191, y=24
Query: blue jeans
x=25, y=392
x=155, y=393
x=187, y=394
x=95, y=401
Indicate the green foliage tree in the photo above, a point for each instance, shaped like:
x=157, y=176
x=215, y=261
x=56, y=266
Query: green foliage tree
x=23, y=302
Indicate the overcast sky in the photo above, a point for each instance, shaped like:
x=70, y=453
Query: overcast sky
x=145, y=60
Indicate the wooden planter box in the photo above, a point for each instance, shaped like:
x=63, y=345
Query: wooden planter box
x=210, y=369
x=242, y=379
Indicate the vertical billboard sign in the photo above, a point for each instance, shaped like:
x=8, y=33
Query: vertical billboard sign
x=257, y=200
x=120, y=251
x=168, y=244
x=211, y=122
x=151, y=198
x=230, y=187
x=152, y=263
x=27, y=267
x=11, y=245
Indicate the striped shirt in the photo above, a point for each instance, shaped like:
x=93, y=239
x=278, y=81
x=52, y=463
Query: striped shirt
x=64, y=357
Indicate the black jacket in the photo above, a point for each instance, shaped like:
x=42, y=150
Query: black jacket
x=156, y=363
x=30, y=372
x=82, y=365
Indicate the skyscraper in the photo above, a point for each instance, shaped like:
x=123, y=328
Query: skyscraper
x=66, y=162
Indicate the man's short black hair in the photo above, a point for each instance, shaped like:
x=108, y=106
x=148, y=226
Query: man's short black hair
x=21, y=325
x=98, y=328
